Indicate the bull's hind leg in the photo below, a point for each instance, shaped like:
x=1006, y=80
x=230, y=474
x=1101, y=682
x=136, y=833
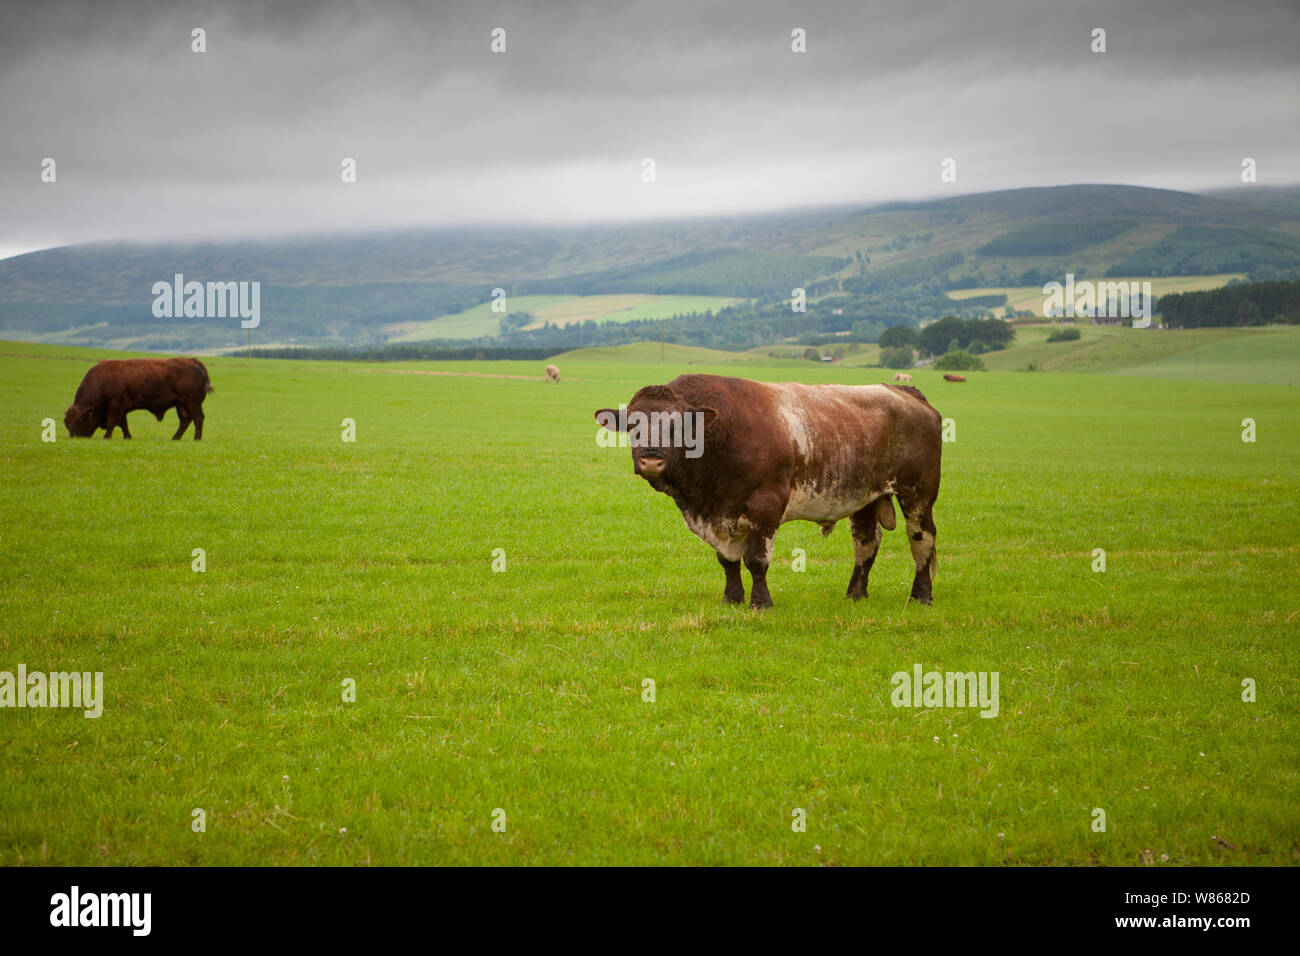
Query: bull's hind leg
x=920, y=535
x=184, y=415
x=735, y=590
x=865, y=526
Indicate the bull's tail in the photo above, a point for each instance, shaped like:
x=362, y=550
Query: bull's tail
x=207, y=382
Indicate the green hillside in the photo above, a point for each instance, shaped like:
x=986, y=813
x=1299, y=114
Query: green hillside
x=898, y=259
x=1269, y=356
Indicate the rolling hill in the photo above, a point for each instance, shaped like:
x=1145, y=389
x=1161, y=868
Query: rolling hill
x=367, y=289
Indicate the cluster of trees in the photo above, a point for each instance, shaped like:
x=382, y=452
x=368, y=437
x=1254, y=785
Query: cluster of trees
x=515, y=320
x=734, y=272
x=950, y=334
x=1066, y=333
x=956, y=341
x=1034, y=275
x=900, y=356
x=1208, y=250
x=1248, y=303
x=959, y=361
x=985, y=301
x=1273, y=273
x=1055, y=238
x=734, y=327
x=904, y=274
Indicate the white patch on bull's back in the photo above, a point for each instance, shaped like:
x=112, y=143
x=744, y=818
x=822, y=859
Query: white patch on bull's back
x=842, y=498
x=792, y=415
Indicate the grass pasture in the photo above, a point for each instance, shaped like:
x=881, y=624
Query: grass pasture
x=1270, y=355
x=522, y=689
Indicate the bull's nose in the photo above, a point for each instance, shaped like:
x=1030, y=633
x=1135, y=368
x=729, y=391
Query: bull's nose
x=650, y=466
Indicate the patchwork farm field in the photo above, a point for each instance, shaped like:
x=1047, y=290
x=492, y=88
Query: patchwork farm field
x=520, y=690
x=562, y=310
x=1030, y=297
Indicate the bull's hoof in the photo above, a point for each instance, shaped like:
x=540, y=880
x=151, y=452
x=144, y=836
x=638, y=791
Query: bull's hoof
x=760, y=603
x=857, y=585
x=733, y=598
x=923, y=599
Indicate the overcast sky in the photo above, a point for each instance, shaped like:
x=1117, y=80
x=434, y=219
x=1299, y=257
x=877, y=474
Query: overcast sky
x=152, y=140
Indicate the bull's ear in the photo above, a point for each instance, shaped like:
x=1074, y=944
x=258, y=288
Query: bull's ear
x=608, y=418
x=710, y=415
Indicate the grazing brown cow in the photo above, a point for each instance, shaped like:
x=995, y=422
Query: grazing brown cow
x=954, y=378
x=741, y=458
x=552, y=373
x=902, y=377
x=117, y=386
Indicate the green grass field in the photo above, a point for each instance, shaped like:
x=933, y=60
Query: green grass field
x=522, y=689
x=1270, y=355
x=1267, y=355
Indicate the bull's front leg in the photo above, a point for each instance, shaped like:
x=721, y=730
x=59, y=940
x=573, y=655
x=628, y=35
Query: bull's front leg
x=758, y=555
x=764, y=513
x=735, y=589
x=116, y=419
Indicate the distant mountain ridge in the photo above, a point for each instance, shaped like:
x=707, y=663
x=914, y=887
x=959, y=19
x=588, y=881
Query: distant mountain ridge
x=345, y=289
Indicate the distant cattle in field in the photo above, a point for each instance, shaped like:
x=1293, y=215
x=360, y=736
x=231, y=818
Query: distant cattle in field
x=552, y=373
x=741, y=458
x=117, y=386
x=902, y=377
x=954, y=378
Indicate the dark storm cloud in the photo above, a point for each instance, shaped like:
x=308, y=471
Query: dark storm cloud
x=153, y=140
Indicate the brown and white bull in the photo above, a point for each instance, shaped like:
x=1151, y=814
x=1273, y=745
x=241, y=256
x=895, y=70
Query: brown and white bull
x=741, y=458
x=117, y=386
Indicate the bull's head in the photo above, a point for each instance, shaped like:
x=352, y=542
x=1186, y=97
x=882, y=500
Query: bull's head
x=80, y=421
x=664, y=431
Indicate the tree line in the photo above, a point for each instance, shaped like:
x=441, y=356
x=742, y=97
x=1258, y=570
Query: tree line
x=1247, y=303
